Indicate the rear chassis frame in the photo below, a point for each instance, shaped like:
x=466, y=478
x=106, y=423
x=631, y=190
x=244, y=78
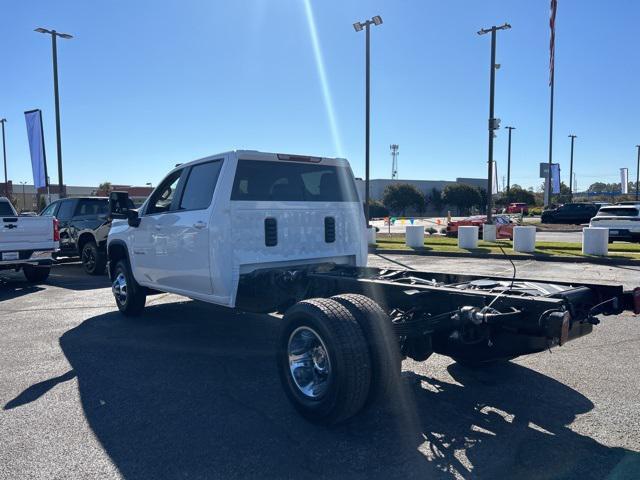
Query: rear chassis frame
x=450, y=314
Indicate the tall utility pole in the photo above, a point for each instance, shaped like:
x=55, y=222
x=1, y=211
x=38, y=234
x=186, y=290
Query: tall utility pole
x=494, y=123
x=638, y=172
x=359, y=26
x=572, y=137
x=54, y=48
x=394, y=161
x=4, y=154
x=509, y=160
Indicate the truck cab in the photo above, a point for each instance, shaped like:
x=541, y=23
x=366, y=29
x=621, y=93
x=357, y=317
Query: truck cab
x=214, y=220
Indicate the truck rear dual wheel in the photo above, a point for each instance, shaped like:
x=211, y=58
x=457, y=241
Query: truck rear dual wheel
x=383, y=346
x=130, y=297
x=36, y=274
x=323, y=361
x=337, y=356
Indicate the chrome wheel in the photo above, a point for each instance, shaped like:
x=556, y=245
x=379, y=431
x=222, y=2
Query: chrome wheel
x=119, y=288
x=309, y=362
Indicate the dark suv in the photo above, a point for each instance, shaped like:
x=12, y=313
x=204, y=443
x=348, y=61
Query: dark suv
x=571, y=213
x=84, y=226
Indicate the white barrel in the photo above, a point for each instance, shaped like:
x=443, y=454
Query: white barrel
x=468, y=237
x=489, y=233
x=595, y=241
x=414, y=236
x=371, y=235
x=524, y=239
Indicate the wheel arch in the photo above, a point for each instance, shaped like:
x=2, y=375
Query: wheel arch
x=83, y=239
x=117, y=250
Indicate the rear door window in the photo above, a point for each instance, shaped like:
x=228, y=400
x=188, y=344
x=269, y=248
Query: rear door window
x=200, y=185
x=258, y=180
x=92, y=207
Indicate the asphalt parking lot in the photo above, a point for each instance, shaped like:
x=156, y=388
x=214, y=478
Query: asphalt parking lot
x=191, y=391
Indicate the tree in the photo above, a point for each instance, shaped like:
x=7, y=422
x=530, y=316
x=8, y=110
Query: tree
x=377, y=209
x=105, y=187
x=517, y=194
x=400, y=196
x=461, y=196
x=435, y=199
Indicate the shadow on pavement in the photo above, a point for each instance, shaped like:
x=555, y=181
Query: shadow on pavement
x=191, y=391
x=14, y=285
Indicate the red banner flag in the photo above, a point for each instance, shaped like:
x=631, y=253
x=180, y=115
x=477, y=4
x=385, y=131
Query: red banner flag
x=552, y=42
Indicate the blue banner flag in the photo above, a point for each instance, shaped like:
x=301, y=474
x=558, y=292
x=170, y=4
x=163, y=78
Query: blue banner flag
x=555, y=178
x=35, y=136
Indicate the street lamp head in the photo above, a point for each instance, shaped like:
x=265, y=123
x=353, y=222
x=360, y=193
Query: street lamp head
x=66, y=36
x=377, y=20
x=2, y=120
x=357, y=27
x=42, y=30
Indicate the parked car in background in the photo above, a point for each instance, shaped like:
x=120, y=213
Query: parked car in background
x=623, y=222
x=27, y=243
x=518, y=208
x=504, y=225
x=570, y=213
x=84, y=227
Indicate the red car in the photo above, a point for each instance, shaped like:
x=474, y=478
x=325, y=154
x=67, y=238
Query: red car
x=517, y=208
x=504, y=225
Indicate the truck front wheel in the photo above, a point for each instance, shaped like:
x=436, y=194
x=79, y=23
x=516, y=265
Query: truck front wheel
x=130, y=297
x=323, y=361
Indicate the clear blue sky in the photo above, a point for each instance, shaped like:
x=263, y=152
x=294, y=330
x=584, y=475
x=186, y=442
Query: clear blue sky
x=147, y=84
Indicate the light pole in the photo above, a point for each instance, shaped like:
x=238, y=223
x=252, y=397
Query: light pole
x=24, y=198
x=4, y=154
x=572, y=137
x=494, y=123
x=638, y=172
x=509, y=161
x=359, y=26
x=54, y=47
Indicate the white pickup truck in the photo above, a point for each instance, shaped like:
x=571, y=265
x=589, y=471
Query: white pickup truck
x=270, y=232
x=27, y=243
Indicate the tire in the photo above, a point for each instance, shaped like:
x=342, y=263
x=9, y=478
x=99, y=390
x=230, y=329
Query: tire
x=36, y=274
x=325, y=334
x=386, y=362
x=93, y=260
x=130, y=297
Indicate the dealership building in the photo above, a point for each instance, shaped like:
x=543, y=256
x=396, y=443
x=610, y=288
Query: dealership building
x=377, y=187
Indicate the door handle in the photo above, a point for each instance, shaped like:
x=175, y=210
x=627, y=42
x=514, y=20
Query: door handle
x=199, y=225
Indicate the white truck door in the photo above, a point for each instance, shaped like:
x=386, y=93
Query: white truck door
x=150, y=242
x=186, y=228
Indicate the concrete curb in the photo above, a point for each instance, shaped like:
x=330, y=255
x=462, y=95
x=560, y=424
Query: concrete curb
x=540, y=258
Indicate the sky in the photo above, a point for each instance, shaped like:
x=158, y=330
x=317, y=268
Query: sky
x=148, y=84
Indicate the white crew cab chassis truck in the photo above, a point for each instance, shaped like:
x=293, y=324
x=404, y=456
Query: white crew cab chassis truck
x=270, y=232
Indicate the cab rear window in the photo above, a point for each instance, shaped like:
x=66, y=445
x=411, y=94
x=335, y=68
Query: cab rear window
x=258, y=180
x=6, y=210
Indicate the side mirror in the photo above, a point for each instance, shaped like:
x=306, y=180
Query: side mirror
x=119, y=205
x=132, y=218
